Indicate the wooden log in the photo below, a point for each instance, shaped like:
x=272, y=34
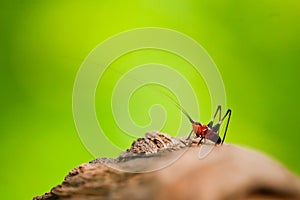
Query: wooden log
x=228, y=172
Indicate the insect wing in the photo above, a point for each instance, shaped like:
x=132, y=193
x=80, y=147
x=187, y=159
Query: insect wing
x=212, y=138
x=205, y=149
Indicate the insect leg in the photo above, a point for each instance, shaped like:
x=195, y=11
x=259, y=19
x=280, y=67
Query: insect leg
x=210, y=124
x=200, y=140
x=190, y=134
x=228, y=119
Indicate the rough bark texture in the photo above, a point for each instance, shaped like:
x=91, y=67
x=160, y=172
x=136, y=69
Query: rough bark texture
x=228, y=172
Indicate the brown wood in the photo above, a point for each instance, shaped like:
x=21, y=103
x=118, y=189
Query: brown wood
x=228, y=172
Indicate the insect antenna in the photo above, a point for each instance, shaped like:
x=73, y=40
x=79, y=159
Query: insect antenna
x=175, y=103
x=159, y=92
x=184, y=112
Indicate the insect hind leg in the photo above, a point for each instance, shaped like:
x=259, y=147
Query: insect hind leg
x=216, y=128
x=228, y=113
x=219, y=110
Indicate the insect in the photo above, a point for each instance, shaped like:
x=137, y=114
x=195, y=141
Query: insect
x=211, y=130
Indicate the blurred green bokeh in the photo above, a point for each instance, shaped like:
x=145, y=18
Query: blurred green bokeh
x=255, y=45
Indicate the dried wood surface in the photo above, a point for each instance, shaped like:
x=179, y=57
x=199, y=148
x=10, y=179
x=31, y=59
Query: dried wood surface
x=228, y=172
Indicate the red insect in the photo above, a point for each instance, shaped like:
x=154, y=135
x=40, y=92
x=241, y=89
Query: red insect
x=211, y=130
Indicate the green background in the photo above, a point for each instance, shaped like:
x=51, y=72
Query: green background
x=255, y=45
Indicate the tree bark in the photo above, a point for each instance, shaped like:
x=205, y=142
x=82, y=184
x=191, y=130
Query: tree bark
x=228, y=172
